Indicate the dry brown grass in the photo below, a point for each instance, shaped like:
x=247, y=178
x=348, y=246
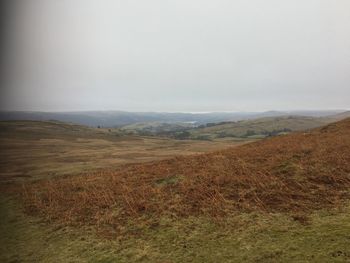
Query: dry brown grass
x=37, y=150
x=295, y=173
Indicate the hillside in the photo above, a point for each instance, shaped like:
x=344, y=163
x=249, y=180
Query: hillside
x=157, y=128
x=119, y=118
x=259, y=128
x=282, y=199
x=52, y=129
x=339, y=116
x=253, y=128
x=38, y=149
x=296, y=173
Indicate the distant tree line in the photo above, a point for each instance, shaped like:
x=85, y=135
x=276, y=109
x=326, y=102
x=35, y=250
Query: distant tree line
x=276, y=132
x=211, y=124
x=251, y=132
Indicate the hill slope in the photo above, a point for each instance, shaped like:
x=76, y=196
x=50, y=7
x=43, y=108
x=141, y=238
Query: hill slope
x=339, y=116
x=35, y=149
x=295, y=173
x=119, y=118
x=51, y=129
x=261, y=127
x=157, y=128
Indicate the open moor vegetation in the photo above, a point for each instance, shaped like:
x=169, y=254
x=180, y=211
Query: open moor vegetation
x=294, y=174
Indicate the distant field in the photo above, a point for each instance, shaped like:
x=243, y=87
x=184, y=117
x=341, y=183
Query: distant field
x=33, y=150
x=258, y=128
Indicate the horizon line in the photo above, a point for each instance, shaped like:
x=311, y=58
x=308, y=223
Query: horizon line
x=184, y=112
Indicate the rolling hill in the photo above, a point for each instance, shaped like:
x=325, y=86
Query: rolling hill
x=255, y=128
x=44, y=149
x=281, y=199
x=339, y=116
x=296, y=173
x=262, y=127
x=120, y=118
x=157, y=128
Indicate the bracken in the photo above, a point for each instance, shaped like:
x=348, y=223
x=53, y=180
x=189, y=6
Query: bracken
x=294, y=173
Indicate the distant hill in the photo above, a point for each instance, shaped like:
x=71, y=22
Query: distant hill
x=121, y=118
x=157, y=128
x=261, y=127
x=52, y=129
x=339, y=116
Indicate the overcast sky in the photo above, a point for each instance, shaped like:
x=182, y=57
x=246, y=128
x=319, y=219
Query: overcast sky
x=179, y=55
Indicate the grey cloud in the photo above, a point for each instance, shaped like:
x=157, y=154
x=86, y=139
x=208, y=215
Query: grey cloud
x=178, y=55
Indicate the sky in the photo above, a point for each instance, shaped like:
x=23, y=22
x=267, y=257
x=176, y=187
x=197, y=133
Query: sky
x=176, y=55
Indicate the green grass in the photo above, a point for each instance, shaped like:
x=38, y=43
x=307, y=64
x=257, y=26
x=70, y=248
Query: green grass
x=241, y=238
x=27, y=239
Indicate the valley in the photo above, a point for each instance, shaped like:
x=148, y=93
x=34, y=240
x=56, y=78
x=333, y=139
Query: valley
x=40, y=150
x=115, y=197
x=175, y=131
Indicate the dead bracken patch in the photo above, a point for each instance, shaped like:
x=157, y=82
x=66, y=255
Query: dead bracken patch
x=296, y=173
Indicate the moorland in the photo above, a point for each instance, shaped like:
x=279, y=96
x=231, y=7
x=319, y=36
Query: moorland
x=72, y=193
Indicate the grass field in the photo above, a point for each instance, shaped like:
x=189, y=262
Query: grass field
x=33, y=150
x=282, y=199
